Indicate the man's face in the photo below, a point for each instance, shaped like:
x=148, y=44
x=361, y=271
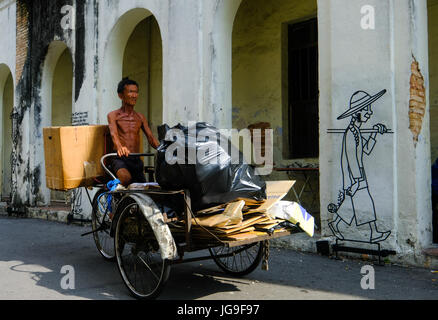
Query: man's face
x=129, y=95
x=364, y=114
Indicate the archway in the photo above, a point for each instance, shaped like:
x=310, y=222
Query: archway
x=6, y=107
x=143, y=62
x=432, y=7
x=56, y=100
x=62, y=91
x=275, y=84
x=134, y=49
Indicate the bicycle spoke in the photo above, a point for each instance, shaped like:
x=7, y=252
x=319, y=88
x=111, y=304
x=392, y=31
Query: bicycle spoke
x=140, y=264
x=153, y=273
x=240, y=260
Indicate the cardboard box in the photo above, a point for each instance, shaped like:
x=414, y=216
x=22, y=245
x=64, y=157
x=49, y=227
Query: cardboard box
x=72, y=155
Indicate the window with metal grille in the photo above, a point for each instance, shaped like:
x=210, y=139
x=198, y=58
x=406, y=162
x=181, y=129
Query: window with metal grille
x=303, y=89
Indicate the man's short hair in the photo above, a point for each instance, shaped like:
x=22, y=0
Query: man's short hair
x=125, y=82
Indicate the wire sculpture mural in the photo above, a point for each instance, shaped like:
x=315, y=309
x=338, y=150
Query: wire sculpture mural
x=354, y=202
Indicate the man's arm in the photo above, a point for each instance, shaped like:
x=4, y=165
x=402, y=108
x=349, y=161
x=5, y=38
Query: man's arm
x=351, y=149
x=371, y=142
x=148, y=132
x=121, y=150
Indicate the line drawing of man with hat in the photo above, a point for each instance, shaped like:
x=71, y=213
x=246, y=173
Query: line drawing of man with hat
x=355, y=201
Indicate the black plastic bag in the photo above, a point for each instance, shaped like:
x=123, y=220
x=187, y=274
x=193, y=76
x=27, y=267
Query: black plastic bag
x=204, y=161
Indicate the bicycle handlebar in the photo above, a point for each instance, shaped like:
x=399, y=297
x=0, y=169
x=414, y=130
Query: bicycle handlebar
x=102, y=160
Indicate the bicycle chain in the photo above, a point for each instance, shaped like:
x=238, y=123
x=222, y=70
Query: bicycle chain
x=265, y=265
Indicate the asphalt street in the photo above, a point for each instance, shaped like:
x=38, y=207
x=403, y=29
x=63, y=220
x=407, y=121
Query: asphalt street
x=33, y=253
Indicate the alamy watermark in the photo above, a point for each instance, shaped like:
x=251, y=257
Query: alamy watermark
x=368, y=21
x=68, y=281
x=368, y=281
x=68, y=20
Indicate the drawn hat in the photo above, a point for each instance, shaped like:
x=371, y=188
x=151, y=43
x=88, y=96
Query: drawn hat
x=360, y=100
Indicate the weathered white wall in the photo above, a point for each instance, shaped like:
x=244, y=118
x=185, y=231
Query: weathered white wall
x=193, y=80
x=433, y=75
x=346, y=66
x=7, y=87
x=7, y=35
x=354, y=59
x=216, y=50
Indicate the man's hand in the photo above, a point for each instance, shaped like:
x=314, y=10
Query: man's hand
x=123, y=152
x=380, y=128
x=351, y=191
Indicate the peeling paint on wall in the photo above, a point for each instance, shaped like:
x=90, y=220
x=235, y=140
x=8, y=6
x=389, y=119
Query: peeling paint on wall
x=22, y=40
x=80, y=48
x=417, y=102
x=41, y=19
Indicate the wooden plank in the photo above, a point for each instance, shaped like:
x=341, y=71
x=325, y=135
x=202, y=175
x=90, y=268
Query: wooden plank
x=261, y=236
x=267, y=226
x=269, y=221
x=242, y=236
x=275, y=191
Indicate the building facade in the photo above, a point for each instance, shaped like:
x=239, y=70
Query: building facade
x=350, y=87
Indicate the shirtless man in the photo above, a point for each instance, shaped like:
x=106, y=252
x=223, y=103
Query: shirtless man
x=125, y=125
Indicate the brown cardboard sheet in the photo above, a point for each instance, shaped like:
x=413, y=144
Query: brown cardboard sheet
x=275, y=191
x=72, y=155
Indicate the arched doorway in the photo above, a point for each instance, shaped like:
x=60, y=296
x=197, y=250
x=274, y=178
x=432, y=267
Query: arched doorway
x=56, y=100
x=62, y=90
x=6, y=107
x=134, y=50
x=432, y=8
x=275, y=85
x=62, y=100
x=142, y=62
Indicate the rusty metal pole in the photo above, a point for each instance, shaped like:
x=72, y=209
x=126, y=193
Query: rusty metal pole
x=188, y=218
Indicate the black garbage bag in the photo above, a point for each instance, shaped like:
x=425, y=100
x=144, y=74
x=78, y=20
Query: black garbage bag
x=199, y=158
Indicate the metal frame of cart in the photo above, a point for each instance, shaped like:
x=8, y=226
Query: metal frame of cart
x=145, y=242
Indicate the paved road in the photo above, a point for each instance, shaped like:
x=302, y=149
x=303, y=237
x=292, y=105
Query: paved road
x=32, y=253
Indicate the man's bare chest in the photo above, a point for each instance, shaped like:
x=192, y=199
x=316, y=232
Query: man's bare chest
x=128, y=123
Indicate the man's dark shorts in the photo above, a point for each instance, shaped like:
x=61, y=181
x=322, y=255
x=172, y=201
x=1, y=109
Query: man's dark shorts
x=134, y=165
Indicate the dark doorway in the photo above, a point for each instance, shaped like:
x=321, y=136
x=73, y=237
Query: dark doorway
x=303, y=89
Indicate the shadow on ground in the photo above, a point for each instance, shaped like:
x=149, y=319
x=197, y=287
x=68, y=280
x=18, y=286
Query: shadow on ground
x=32, y=253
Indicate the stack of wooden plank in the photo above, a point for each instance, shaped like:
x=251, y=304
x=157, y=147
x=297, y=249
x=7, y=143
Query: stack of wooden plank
x=240, y=219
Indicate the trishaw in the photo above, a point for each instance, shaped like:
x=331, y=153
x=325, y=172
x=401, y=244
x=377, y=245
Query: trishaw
x=148, y=231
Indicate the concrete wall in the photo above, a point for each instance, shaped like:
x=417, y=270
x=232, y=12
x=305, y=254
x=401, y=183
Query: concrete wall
x=8, y=35
x=7, y=88
x=119, y=20
x=433, y=75
x=39, y=50
x=397, y=169
x=352, y=67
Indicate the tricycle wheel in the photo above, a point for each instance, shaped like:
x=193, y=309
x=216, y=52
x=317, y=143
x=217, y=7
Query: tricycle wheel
x=242, y=260
x=139, y=260
x=101, y=222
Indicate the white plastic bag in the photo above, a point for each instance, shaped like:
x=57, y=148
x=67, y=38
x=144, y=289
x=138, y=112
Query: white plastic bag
x=293, y=212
